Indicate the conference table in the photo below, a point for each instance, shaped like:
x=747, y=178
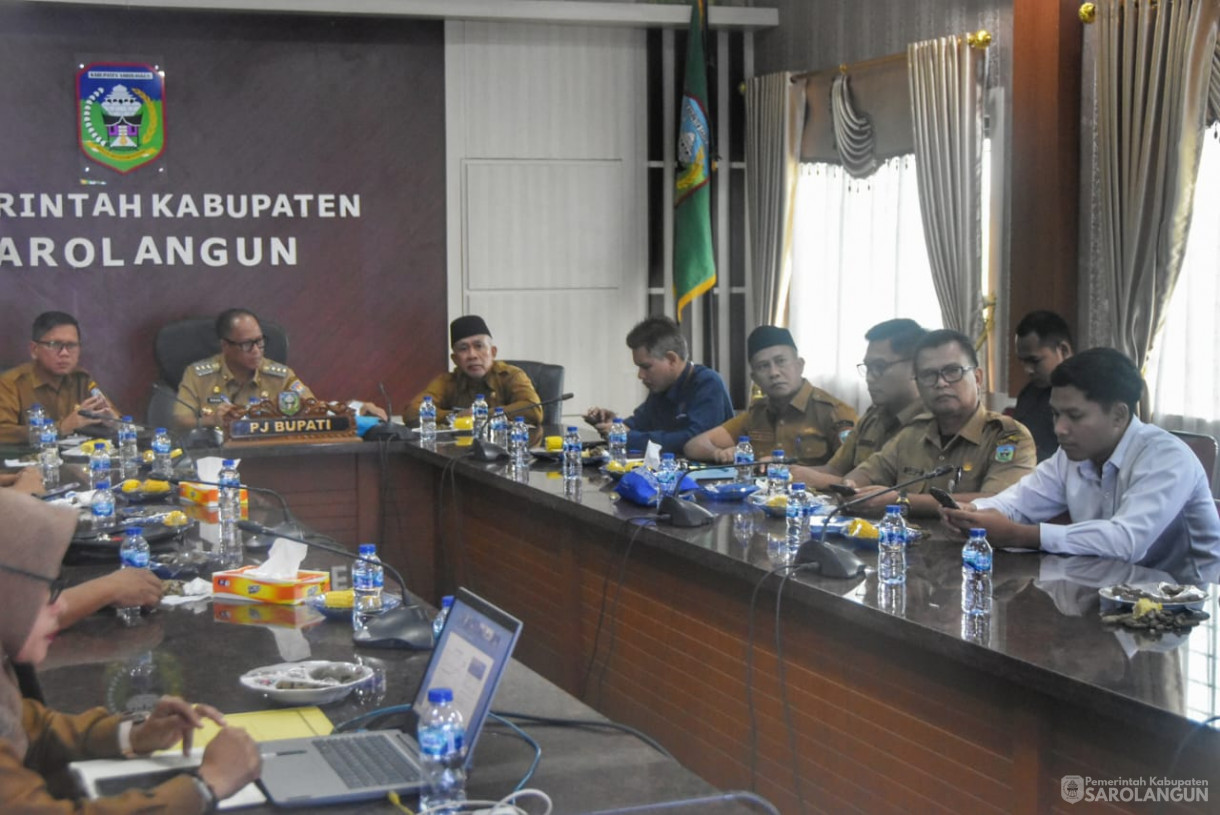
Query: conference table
x=199, y=650
x=821, y=694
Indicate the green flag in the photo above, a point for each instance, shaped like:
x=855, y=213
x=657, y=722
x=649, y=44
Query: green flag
x=694, y=267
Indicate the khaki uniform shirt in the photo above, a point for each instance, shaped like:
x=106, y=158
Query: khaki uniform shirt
x=209, y=383
x=21, y=387
x=810, y=428
x=505, y=386
x=877, y=427
x=992, y=451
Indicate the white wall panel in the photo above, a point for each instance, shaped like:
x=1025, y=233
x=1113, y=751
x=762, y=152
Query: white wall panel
x=545, y=225
x=546, y=177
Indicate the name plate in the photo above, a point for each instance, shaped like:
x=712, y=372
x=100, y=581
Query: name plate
x=270, y=428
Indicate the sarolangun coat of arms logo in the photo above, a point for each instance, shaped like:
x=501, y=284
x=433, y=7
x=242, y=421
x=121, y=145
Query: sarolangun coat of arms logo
x=121, y=114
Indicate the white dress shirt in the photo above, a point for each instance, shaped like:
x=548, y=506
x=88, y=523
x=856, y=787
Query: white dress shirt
x=1150, y=505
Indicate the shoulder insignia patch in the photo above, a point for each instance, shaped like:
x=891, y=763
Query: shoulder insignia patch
x=297, y=387
x=206, y=368
x=275, y=368
x=1004, y=452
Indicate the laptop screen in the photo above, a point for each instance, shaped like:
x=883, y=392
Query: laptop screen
x=473, y=650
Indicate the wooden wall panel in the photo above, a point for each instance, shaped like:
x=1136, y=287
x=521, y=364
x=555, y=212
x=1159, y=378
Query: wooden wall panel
x=255, y=103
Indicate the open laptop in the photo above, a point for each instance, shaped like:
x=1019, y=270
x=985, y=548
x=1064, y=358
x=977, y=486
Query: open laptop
x=474, y=649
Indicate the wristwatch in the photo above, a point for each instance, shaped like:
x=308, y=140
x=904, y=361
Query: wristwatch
x=205, y=791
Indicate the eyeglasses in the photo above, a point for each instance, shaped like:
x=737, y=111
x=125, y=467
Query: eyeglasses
x=949, y=373
x=249, y=345
x=877, y=369
x=57, y=347
x=57, y=584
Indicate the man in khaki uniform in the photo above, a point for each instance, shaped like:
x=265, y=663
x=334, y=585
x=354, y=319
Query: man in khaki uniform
x=51, y=378
x=890, y=375
x=476, y=370
x=806, y=422
x=990, y=450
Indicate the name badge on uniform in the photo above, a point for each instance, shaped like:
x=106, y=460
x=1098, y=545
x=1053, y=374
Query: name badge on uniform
x=1004, y=452
x=217, y=399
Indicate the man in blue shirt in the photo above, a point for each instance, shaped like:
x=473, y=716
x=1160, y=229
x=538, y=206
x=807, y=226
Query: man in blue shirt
x=684, y=399
x=1133, y=491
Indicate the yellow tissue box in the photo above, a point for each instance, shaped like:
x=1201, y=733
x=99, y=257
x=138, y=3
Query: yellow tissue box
x=286, y=592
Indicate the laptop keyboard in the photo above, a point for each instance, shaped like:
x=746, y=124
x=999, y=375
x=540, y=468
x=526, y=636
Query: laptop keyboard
x=367, y=760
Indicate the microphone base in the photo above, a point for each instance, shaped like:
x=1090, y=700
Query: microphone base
x=684, y=513
x=829, y=560
x=403, y=627
x=486, y=451
x=388, y=432
x=201, y=437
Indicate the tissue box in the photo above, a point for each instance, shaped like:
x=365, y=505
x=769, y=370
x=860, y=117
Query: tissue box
x=286, y=592
x=205, y=495
x=283, y=616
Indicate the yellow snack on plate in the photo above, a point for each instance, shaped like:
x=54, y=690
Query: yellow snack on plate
x=778, y=501
x=554, y=444
x=93, y=444
x=131, y=485
x=176, y=518
x=177, y=451
x=860, y=528
x=615, y=467
x=148, y=456
x=1144, y=607
x=463, y=422
x=153, y=485
x=339, y=599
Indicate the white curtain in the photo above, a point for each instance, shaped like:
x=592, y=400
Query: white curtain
x=946, y=79
x=775, y=115
x=858, y=258
x=1184, y=370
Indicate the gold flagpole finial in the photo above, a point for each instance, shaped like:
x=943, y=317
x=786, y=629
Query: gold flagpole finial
x=1088, y=13
x=980, y=39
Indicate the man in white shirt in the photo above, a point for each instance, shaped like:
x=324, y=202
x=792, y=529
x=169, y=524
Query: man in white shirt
x=1133, y=491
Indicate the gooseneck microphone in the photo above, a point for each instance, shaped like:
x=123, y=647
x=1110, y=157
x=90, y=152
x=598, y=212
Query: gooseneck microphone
x=484, y=450
x=387, y=430
x=403, y=627
x=199, y=437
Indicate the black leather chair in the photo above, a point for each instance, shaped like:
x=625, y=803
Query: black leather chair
x=548, y=381
x=183, y=342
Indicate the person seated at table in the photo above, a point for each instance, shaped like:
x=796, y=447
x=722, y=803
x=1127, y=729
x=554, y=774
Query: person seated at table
x=807, y=422
x=1043, y=341
x=53, y=379
x=684, y=399
x=988, y=450
x=1133, y=491
x=37, y=743
x=221, y=386
x=888, y=372
x=476, y=370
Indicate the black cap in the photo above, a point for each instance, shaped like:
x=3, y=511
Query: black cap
x=766, y=336
x=467, y=326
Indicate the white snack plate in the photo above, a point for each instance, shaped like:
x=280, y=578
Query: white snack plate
x=317, y=682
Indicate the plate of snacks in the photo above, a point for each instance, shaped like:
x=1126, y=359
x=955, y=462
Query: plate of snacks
x=337, y=605
x=137, y=490
x=1170, y=596
x=313, y=682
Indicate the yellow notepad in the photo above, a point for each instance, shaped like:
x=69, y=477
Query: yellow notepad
x=267, y=725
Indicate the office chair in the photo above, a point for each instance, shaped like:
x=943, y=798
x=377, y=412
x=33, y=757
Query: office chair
x=548, y=382
x=1203, y=446
x=183, y=342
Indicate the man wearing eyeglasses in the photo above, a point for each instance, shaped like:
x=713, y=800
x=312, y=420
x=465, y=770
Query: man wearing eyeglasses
x=807, y=422
x=889, y=374
x=990, y=451
x=52, y=379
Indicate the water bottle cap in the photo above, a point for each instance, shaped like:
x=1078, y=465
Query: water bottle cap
x=616, y=420
x=667, y=456
x=368, y=549
x=427, y=398
x=447, y=601
x=572, y=429
x=478, y=397
x=102, y=484
x=228, y=463
x=159, y=430
x=499, y=410
x=132, y=531
x=743, y=439
x=520, y=420
x=978, y=533
x=127, y=419
x=777, y=453
x=438, y=695
x=893, y=508
x=37, y=405
x=799, y=486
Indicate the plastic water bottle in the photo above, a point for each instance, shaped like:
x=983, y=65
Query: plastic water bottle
x=667, y=476
x=976, y=574
x=797, y=516
x=478, y=414
x=162, y=466
x=777, y=473
x=499, y=428
x=129, y=451
x=368, y=578
x=438, y=622
x=618, y=442
x=48, y=454
x=133, y=554
x=229, y=509
x=572, y=461
x=442, y=753
x=101, y=506
x=99, y=464
x=427, y=420
x=33, y=418
x=743, y=457
x=519, y=443
x=892, y=546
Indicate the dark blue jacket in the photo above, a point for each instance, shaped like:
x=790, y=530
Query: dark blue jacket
x=696, y=402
